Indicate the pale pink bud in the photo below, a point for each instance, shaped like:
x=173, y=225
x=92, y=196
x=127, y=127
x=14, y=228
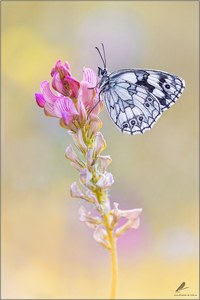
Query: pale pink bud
x=72, y=156
x=105, y=181
x=90, y=76
x=87, y=94
x=101, y=236
x=132, y=217
x=95, y=125
x=104, y=162
x=90, y=196
x=78, y=140
x=89, y=157
x=85, y=216
x=85, y=177
x=62, y=80
x=64, y=70
x=82, y=112
x=99, y=144
x=75, y=191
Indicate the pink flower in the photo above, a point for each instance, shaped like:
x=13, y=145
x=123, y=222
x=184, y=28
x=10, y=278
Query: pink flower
x=58, y=106
x=72, y=156
x=101, y=236
x=131, y=216
x=63, y=82
x=87, y=195
x=89, y=92
x=105, y=181
x=78, y=140
x=40, y=99
x=86, y=177
x=85, y=216
x=104, y=160
x=74, y=103
x=76, y=192
x=96, y=223
x=95, y=125
x=99, y=144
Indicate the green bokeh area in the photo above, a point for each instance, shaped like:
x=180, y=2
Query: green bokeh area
x=47, y=253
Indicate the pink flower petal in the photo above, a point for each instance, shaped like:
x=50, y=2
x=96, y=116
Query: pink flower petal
x=87, y=94
x=99, y=144
x=72, y=156
x=56, y=67
x=131, y=215
x=85, y=177
x=95, y=125
x=75, y=191
x=91, y=197
x=67, y=117
x=65, y=105
x=47, y=93
x=70, y=106
x=78, y=140
x=101, y=236
x=67, y=67
x=89, y=157
x=64, y=70
x=82, y=112
x=105, y=161
x=74, y=86
x=90, y=76
x=57, y=84
x=85, y=216
x=40, y=99
x=105, y=181
x=49, y=110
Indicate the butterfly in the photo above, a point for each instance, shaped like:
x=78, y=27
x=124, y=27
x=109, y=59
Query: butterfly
x=136, y=98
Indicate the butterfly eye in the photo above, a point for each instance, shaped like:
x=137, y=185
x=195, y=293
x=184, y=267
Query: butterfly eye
x=99, y=72
x=125, y=125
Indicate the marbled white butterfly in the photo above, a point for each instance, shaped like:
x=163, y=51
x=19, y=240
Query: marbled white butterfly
x=135, y=98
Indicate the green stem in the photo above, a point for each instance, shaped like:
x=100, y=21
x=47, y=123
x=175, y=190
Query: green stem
x=113, y=252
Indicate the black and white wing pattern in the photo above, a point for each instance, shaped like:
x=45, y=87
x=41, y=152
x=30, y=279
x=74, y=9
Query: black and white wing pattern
x=135, y=98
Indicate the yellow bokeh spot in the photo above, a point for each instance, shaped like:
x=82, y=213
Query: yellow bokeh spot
x=26, y=54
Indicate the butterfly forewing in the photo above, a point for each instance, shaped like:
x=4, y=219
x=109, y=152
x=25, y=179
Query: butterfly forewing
x=166, y=87
x=135, y=98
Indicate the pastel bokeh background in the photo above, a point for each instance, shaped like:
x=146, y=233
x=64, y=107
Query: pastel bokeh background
x=47, y=253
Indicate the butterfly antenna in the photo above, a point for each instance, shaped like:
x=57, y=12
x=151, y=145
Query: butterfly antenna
x=104, y=63
x=104, y=54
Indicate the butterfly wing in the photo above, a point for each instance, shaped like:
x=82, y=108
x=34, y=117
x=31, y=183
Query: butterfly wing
x=167, y=88
x=135, y=99
x=132, y=108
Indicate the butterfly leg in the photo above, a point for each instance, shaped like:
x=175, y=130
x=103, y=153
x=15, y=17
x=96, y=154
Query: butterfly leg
x=99, y=100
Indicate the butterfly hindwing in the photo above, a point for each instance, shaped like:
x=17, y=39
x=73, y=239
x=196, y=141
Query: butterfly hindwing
x=132, y=108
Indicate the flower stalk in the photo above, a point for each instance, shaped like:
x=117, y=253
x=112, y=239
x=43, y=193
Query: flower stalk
x=114, y=263
x=76, y=105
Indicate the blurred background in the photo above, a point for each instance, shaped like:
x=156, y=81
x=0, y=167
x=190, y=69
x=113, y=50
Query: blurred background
x=47, y=253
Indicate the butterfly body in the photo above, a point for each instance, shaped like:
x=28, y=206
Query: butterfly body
x=136, y=98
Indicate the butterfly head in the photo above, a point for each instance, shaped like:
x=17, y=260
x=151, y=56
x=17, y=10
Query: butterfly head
x=102, y=72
